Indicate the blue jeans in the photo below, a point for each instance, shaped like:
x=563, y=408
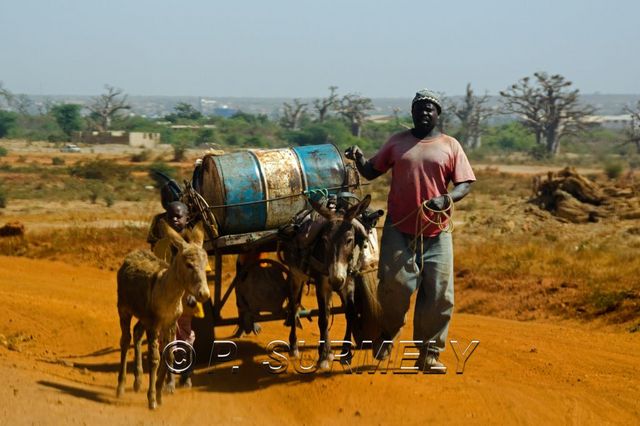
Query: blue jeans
x=400, y=276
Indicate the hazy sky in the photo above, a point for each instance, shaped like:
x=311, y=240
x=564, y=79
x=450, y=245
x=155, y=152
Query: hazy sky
x=298, y=48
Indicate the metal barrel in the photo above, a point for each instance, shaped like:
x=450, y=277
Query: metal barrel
x=261, y=189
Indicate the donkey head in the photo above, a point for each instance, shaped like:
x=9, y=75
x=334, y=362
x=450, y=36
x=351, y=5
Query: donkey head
x=191, y=261
x=338, y=237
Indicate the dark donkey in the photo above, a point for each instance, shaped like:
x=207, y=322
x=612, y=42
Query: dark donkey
x=331, y=264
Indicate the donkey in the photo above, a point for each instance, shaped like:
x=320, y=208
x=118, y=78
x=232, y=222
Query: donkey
x=332, y=262
x=151, y=290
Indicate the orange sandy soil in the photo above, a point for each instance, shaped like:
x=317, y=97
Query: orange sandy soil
x=59, y=360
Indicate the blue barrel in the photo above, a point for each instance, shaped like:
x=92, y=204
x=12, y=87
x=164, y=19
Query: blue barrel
x=262, y=189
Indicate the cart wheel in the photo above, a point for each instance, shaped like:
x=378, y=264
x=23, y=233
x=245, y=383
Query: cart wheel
x=368, y=311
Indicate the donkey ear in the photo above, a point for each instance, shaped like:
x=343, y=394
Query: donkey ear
x=358, y=208
x=196, y=235
x=175, y=239
x=323, y=210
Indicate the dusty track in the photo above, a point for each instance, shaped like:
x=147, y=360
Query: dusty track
x=55, y=314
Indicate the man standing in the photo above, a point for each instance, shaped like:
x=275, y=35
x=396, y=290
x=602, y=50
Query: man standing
x=416, y=248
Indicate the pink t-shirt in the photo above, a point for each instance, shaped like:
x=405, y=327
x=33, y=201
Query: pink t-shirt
x=421, y=169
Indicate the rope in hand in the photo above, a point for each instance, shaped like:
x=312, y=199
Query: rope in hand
x=442, y=221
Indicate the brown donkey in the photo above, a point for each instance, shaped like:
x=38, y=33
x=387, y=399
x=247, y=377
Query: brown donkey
x=332, y=264
x=151, y=290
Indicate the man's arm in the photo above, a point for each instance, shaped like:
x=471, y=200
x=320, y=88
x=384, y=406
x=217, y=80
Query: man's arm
x=459, y=191
x=365, y=168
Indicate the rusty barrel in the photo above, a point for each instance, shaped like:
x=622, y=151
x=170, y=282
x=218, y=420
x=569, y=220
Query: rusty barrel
x=261, y=189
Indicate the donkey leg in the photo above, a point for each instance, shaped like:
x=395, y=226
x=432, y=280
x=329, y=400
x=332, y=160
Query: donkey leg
x=171, y=384
x=162, y=372
x=154, y=361
x=125, y=341
x=138, y=332
x=295, y=287
x=323, y=295
x=348, y=302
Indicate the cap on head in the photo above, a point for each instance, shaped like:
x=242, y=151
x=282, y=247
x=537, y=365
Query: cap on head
x=427, y=95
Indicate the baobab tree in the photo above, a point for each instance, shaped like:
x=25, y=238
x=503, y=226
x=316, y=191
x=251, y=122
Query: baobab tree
x=353, y=108
x=324, y=105
x=107, y=106
x=632, y=132
x=293, y=114
x=20, y=103
x=6, y=97
x=446, y=112
x=547, y=107
x=472, y=112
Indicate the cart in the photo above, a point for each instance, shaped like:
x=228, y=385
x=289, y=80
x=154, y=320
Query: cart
x=267, y=241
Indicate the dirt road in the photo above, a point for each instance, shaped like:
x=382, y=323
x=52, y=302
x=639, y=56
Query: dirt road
x=59, y=362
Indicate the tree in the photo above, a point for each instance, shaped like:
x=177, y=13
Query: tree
x=472, y=112
x=22, y=103
x=206, y=136
x=324, y=105
x=632, y=132
x=293, y=114
x=106, y=106
x=353, y=108
x=547, y=108
x=68, y=117
x=446, y=113
x=6, y=96
x=7, y=121
x=16, y=102
x=184, y=111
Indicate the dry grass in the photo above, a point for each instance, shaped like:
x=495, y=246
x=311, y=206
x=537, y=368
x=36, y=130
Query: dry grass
x=531, y=276
x=101, y=247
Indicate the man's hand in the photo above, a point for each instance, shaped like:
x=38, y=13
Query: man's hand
x=354, y=153
x=439, y=203
x=364, y=167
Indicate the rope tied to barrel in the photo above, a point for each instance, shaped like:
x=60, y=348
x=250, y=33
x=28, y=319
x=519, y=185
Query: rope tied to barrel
x=442, y=219
x=324, y=192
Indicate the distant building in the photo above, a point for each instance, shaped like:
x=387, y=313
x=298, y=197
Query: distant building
x=213, y=107
x=134, y=139
x=610, y=121
x=380, y=118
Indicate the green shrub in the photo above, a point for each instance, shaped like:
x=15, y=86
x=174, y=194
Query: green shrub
x=613, y=169
x=104, y=170
x=179, y=151
x=607, y=301
x=141, y=156
x=57, y=161
x=3, y=151
x=539, y=152
x=206, y=136
x=7, y=122
x=109, y=199
x=95, y=191
x=3, y=197
x=509, y=137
